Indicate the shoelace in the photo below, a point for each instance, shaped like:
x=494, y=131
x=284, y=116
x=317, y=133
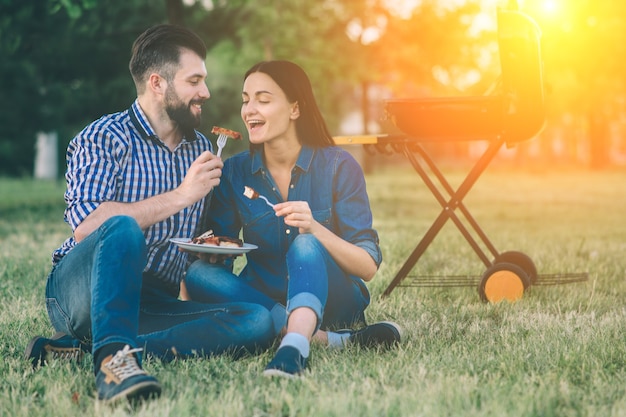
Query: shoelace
x=124, y=364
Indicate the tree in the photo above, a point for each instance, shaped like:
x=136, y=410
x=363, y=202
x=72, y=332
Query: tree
x=64, y=62
x=53, y=77
x=583, y=44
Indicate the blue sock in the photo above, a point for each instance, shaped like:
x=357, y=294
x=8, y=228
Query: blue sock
x=338, y=340
x=298, y=341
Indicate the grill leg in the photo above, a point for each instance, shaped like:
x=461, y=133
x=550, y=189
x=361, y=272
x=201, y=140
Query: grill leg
x=449, y=206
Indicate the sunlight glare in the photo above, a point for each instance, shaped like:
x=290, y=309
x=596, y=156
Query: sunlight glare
x=402, y=8
x=550, y=7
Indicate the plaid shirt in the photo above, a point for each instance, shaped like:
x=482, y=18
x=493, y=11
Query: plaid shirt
x=119, y=158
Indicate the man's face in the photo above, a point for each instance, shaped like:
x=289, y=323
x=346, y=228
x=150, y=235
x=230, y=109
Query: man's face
x=187, y=92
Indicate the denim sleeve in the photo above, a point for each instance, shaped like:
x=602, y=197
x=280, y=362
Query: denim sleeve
x=351, y=202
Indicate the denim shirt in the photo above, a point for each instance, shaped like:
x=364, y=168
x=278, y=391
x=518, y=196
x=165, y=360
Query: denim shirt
x=329, y=179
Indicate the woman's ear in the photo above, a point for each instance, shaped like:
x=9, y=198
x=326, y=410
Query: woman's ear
x=295, y=111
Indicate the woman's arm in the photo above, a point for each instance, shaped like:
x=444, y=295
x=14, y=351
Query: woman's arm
x=355, y=245
x=351, y=258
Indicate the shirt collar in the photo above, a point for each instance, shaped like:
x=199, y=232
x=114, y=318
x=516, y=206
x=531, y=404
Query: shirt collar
x=141, y=123
x=303, y=163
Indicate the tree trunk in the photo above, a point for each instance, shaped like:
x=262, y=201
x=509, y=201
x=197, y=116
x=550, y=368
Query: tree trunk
x=366, y=160
x=598, y=139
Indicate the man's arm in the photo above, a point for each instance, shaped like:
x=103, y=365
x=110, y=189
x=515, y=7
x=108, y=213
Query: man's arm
x=204, y=174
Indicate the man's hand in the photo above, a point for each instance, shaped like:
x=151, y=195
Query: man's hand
x=203, y=175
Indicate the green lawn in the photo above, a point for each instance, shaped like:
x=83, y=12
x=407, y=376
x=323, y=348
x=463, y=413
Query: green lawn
x=560, y=351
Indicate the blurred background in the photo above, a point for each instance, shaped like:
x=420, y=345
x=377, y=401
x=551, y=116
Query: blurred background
x=64, y=63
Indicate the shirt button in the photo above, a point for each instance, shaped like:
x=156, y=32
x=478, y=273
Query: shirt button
x=291, y=186
x=287, y=231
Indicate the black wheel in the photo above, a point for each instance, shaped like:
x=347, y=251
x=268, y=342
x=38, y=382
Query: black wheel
x=503, y=281
x=522, y=260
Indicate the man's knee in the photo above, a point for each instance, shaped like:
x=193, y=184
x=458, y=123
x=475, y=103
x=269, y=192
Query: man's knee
x=125, y=231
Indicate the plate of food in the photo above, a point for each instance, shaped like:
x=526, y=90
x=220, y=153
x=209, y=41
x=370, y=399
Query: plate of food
x=209, y=243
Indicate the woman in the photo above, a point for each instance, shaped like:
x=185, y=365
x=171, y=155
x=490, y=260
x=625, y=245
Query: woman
x=316, y=245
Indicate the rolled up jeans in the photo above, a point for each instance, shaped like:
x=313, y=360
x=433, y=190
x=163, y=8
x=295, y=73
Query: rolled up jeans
x=315, y=281
x=99, y=294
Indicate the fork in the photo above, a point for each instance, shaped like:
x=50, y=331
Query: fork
x=221, y=142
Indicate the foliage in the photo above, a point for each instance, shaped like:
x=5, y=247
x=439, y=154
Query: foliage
x=557, y=352
x=63, y=62
x=583, y=46
x=63, y=67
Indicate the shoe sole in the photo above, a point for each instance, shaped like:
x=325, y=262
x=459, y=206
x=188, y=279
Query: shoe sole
x=138, y=392
x=277, y=373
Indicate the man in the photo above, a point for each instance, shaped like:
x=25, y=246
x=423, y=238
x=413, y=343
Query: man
x=135, y=179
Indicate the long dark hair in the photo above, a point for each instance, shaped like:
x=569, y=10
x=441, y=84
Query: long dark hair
x=310, y=126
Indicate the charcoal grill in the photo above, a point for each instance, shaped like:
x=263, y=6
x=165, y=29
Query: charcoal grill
x=515, y=113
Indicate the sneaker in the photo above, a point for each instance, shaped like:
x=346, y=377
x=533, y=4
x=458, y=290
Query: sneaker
x=287, y=363
x=41, y=350
x=384, y=334
x=120, y=376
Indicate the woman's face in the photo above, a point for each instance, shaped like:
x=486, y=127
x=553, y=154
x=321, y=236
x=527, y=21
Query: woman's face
x=266, y=111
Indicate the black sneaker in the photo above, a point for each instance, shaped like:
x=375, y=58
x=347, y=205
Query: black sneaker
x=120, y=376
x=384, y=334
x=287, y=363
x=41, y=350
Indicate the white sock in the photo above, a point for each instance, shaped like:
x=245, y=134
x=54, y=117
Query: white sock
x=338, y=340
x=298, y=341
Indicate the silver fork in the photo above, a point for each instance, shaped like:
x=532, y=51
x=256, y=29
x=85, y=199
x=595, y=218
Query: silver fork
x=266, y=200
x=221, y=142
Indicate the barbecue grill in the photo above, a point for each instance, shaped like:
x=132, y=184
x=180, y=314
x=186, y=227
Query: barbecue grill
x=515, y=113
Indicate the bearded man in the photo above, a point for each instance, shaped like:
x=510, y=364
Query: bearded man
x=136, y=179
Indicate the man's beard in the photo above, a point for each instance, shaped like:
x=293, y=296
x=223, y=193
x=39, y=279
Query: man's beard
x=180, y=112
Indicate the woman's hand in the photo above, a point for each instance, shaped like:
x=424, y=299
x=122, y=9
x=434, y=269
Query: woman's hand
x=297, y=214
x=351, y=258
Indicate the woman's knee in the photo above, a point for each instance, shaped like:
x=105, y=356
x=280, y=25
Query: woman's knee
x=306, y=247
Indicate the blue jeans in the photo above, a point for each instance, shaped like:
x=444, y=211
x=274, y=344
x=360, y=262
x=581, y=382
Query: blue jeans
x=99, y=294
x=315, y=281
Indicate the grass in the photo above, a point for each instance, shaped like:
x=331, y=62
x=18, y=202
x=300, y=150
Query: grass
x=560, y=351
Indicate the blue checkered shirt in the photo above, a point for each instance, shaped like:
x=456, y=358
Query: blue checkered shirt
x=119, y=158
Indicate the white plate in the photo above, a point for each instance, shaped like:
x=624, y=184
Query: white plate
x=204, y=248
